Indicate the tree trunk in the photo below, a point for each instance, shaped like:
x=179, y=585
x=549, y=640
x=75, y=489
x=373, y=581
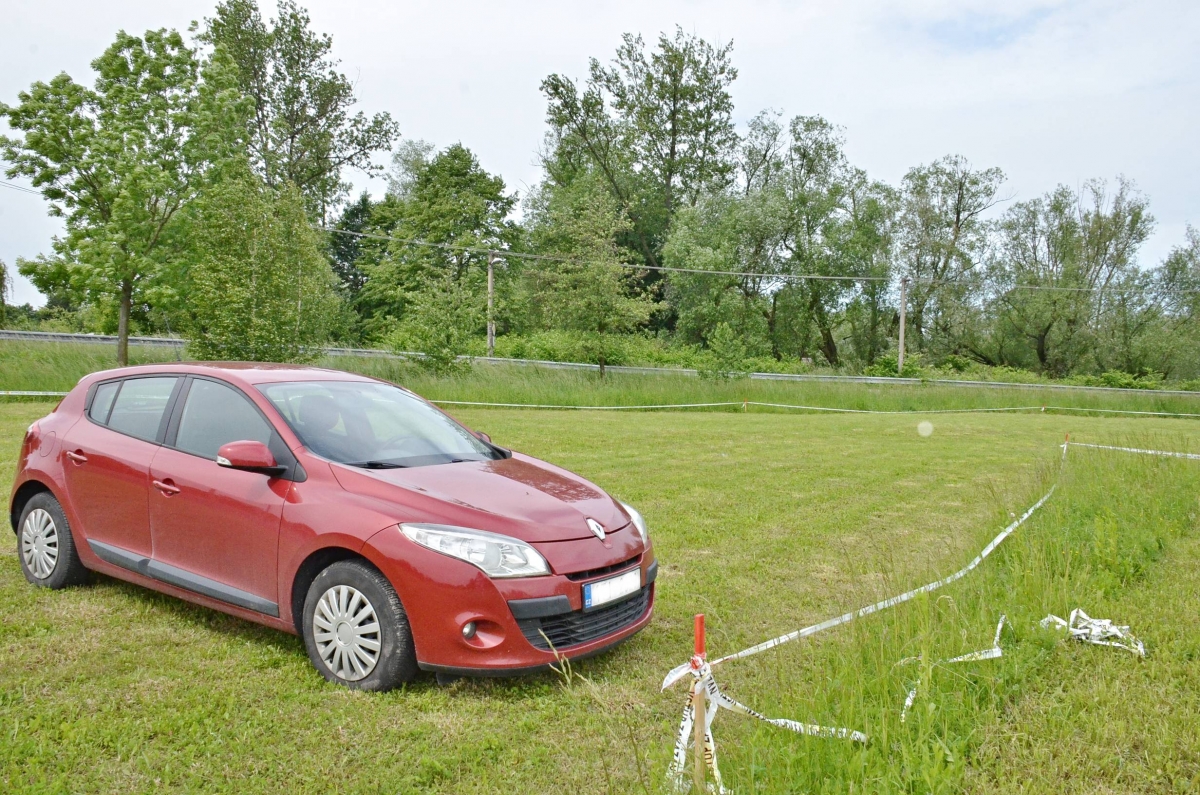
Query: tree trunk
x=1043, y=356
x=123, y=323
x=828, y=344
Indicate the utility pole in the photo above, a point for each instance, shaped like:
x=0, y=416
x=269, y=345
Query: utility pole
x=491, y=317
x=903, y=312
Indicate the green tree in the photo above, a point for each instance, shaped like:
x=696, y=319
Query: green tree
x=118, y=163
x=835, y=225
x=5, y=290
x=1076, y=247
x=727, y=354
x=301, y=130
x=942, y=241
x=1176, y=287
x=450, y=204
x=797, y=210
x=346, y=247
x=590, y=293
x=261, y=287
x=655, y=129
x=442, y=318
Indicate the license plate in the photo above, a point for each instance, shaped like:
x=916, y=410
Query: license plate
x=612, y=589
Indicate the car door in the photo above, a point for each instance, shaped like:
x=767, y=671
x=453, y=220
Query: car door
x=107, y=460
x=215, y=530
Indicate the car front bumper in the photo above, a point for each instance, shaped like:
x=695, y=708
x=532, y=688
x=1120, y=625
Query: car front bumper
x=522, y=624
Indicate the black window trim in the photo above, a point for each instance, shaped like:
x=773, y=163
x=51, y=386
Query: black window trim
x=283, y=456
x=120, y=381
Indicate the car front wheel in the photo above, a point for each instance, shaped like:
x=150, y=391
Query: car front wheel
x=45, y=545
x=356, y=630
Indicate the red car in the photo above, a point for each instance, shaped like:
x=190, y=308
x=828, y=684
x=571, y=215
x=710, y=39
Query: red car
x=344, y=509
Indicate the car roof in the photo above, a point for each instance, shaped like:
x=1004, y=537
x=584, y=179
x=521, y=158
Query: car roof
x=243, y=372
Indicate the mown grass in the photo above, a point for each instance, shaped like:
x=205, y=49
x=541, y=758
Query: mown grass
x=57, y=367
x=763, y=522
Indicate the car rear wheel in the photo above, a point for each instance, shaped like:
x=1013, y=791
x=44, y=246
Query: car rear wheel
x=45, y=545
x=356, y=630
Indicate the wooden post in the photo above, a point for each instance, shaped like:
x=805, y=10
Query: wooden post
x=698, y=711
x=491, y=318
x=903, y=312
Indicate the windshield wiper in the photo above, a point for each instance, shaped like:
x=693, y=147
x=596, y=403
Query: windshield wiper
x=376, y=464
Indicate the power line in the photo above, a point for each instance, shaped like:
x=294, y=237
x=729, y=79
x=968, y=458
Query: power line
x=569, y=260
x=21, y=188
x=666, y=269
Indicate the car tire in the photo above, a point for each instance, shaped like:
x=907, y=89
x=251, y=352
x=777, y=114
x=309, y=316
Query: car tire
x=344, y=643
x=46, y=547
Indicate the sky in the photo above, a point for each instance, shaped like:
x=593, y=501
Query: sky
x=1051, y=91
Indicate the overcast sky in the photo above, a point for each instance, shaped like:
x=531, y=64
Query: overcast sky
x=1052, y=92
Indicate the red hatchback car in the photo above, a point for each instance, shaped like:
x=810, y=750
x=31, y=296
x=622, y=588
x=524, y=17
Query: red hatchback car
x=344, y=509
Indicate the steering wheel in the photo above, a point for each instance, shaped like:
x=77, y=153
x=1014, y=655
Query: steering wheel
x=401, y=441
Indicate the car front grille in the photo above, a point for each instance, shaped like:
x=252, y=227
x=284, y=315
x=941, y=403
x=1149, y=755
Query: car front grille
x=580, y=576
x=572, y=629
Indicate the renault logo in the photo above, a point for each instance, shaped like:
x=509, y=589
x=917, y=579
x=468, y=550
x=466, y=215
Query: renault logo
x=596, y=528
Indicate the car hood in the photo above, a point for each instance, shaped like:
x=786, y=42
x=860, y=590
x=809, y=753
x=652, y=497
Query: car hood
x=519, y=496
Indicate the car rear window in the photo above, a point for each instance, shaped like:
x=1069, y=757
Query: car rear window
x=139, y=406
x=102, y=401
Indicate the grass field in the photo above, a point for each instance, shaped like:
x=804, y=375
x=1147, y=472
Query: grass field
x=763, y=522
x=57, y=367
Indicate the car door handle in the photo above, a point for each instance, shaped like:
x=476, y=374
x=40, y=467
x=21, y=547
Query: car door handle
x=166, y=488
x=78, y=458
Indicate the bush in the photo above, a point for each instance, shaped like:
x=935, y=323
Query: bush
x=726, y=354
x=1119, y=380
x=440, y=323
x=887, y=364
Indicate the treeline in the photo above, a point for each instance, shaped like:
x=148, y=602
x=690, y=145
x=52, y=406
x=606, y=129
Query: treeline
x=203, y=189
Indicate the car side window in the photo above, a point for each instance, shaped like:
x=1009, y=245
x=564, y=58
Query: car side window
x=102, y=401
x=215, y=414
x=139, y=406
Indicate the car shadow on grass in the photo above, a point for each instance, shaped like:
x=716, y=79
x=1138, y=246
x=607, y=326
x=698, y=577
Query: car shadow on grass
x=229, y=627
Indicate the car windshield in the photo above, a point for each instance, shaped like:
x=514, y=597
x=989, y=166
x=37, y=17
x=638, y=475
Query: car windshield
x=373, y=425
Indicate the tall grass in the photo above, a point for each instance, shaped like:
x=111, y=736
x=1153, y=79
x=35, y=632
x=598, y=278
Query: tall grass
x=1111, y=519
x=57, y=367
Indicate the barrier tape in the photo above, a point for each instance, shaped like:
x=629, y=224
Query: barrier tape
x=581, y=408
x=714, y=700
x=27, y=393
x=745, y=404
x=1192, y=456
x=1099, y=631
x=705, y=691
x=975, y=656
x=846, y=618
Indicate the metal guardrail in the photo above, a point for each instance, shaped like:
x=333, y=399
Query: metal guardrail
x=174, y=342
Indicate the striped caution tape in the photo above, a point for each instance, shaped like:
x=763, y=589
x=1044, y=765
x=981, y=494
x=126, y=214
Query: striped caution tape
x=1164, y=453
x=1098, y=631
x=705, y=690
x=745, y=405
x=582, y=408
x=976, y=656
x=30, y=393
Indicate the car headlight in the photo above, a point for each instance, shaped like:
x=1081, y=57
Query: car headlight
x=496, y=555
x=639, y=522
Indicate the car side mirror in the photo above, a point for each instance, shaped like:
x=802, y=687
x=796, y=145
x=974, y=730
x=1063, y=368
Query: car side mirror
x=249, y=456
x=483, y=436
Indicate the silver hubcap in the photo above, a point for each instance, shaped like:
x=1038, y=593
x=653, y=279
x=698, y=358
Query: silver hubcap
x=39, y=543
x=346, y=631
